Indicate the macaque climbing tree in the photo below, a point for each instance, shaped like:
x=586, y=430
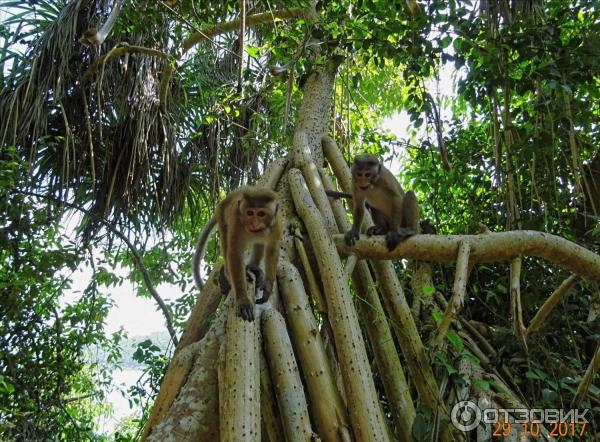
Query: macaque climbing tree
x=302, y=371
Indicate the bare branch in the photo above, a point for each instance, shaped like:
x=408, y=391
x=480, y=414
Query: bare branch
x=458, y=295
x=488, y=247
x=137, y=258
x=515, y=299
x=208, y=33
x=550, y=303
x=117, y=51
x=587, y=379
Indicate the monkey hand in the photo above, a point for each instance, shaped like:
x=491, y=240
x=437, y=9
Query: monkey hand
x=245, y=311
x=375, y=230
x=351, y=236
x=264, y=298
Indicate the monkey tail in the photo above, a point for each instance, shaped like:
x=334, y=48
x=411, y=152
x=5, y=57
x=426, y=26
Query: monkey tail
x=336, y=194
x=200, y=249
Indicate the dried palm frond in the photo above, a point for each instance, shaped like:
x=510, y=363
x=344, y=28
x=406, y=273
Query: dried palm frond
x=103, y=137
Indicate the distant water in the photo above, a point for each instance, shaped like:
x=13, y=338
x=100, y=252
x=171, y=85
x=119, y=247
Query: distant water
x=122, y=380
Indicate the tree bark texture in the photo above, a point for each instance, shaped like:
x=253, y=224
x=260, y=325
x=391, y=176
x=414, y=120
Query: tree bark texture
x=239, y=380
x=314, y=380
x=485, y=247
x=286, y=378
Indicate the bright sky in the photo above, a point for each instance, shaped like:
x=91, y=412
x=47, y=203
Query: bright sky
x=399, y=124
x=138, y=316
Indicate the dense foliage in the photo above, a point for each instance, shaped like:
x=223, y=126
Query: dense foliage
x=514, y=145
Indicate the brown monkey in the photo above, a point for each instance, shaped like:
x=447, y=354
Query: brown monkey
x=247, y=216
x=395, y=213
x=425, y=225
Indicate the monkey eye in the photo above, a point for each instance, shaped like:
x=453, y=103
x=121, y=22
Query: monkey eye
x=250, y=212
x=261, y=213
x=367, y=174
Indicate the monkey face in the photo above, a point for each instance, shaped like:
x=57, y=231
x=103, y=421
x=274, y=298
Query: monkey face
x=366, y=177
x=256, y=219
x=363, y=179
x=365, y=171
x=257, y=213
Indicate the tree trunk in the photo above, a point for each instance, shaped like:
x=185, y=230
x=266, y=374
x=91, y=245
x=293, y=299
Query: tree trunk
x=314, y=377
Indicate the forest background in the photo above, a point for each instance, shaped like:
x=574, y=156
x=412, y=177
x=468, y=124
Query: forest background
x=139, y=167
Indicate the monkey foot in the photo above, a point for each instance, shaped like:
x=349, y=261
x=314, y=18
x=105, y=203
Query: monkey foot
x=350, y=237
x=258, y=275
x=392, y=239
x=405, y=232
x=224, y=282
x=376, y=230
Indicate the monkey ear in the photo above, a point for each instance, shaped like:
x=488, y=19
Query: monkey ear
x=376, y=178
x=276, y=209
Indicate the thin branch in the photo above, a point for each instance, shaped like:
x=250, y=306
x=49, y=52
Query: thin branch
x=515, y=300
x=136, y=256
x=458, y=295
x=546, y=308
x=208, y=33
x=242, y=43
x=587, y=379
x=350, y=264
x=119, y=50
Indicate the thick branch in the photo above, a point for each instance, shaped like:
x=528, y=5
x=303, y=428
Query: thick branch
x=309, y=14
x=488, y=247
x=293, y=408
x=239, y=380
x=180, y=366
x=365, y=413
x=327, y=409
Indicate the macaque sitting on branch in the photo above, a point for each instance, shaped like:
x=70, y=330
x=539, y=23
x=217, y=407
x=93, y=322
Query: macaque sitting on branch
x=395, y=213
x=246, y=217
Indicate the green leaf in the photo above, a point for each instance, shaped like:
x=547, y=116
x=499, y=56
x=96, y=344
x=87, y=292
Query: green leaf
x=482, y=384
x=253, y=51
x=455, y=340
